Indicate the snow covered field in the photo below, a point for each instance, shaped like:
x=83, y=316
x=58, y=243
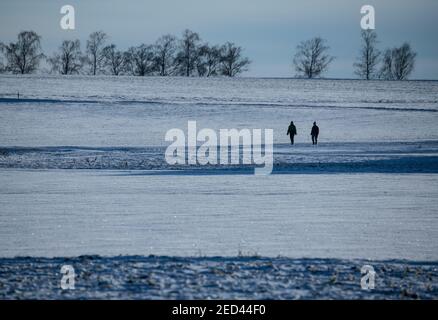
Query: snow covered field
x=137, y=112
x=82, y=171
x=111, y=212
x=372, y=192
x=152, y=277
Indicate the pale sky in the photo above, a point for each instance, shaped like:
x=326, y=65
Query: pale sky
x=268, y=30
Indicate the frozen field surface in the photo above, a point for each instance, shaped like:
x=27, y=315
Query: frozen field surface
x=82, y=172
x=110, y=212
x=353, y=157
x=137, y=277
x=138, y=111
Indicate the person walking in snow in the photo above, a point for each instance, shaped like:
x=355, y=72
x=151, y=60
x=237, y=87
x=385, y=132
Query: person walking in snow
x=314, y=133
x=291, y=131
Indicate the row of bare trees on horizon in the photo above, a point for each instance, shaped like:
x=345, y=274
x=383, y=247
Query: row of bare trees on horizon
x=169, y=56
x=189, y=56
x=312, y=59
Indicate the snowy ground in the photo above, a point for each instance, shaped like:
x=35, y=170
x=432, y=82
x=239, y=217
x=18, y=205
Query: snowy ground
x=137, y=112
x=138, y=277
x=74, y=212
x=383, y=157
x=82, y=172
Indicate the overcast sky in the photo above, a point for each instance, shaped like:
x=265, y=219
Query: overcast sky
x=268, y=29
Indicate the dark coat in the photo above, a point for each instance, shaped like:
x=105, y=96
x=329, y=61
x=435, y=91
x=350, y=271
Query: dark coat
x=292, y=130
x=315, y=130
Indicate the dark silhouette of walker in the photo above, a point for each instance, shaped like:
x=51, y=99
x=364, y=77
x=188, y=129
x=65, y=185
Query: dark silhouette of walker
x=314, y=133
x=291, y=131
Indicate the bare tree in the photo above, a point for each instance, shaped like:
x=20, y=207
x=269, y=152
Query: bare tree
x=95, y=44
x=398, y=63
x=369, y=56
x=188, y=53
x=113, y=59
x=311, y=59
x=386, y=71
x=209, y=60
x=404, y=61
x=25, y=55
x=165, y=48
x=232, y=62
x=140, y=60
x=2, y=66
x=68, y=59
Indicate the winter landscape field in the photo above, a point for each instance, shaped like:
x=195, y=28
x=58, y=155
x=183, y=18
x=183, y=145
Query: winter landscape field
x=84, y=180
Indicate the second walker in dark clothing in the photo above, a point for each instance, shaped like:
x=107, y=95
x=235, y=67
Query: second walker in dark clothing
x=314, y=133
x=292, y=131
